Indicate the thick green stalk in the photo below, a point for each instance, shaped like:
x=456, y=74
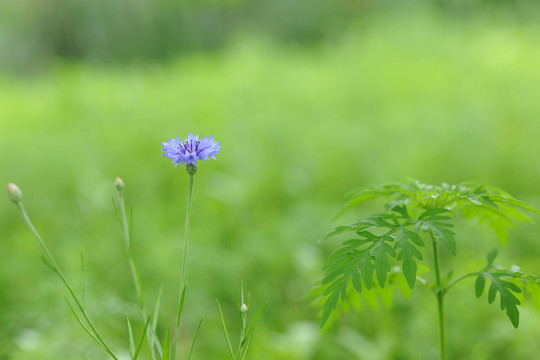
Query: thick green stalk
x=440, y=308
x=52, y=263
x=439, y=293
x=184, y=263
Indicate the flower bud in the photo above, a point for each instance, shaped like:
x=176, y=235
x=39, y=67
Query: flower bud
x=243, y=308
x=191, y=169
x=119, y=184
x=14, y=193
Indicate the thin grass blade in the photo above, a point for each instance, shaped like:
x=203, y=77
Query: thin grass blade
x=46, y=262
x=153, y=326
x=155, y=340
x=83, y=278
x=180, y=307
x=251, y=327
x=166, y=345
x=85, y=327
x=156, y=308
x=130, y=225
x=246, y=349
x=141, y=340
x=225, y=330
x=194, y=338
x=131, y=340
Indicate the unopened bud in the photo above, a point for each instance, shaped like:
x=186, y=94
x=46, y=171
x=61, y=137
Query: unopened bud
x=14, y=193
x=119, y=184
x=191, y=169
x=243, y=308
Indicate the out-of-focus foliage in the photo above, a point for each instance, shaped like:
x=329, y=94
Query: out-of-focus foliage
x=132, y=30
x=401, y=94
x=35, y=32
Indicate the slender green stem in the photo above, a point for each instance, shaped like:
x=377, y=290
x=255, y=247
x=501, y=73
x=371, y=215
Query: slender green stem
x=459, y=278
x=242, y=335
x=184, y=264
x=134, y=272
x=52, y=263
x=243, y=315
x=225, y=331
x=186, y=232
x=439, y=293
x=436, y=261
x=128, y=243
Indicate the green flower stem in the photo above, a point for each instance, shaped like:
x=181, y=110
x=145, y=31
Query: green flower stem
x=243, y=315
x=241, y=342
x=184, y=264
x=134, y=272
x=186, y=233
x=128, y=242
x=52, y=263
x=439, y=293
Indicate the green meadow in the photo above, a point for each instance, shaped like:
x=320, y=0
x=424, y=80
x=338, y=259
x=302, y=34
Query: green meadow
x=394, y=96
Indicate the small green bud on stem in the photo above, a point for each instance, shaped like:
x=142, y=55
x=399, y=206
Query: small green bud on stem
x=119, y=184
x=244, y=308
x=14, y=193
x=191, y=169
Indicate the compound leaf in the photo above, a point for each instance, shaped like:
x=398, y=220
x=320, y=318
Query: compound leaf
x=355, y=262
x=381, y=263
x=366, y=270
x=506, y=292
x=329, y=305
x=408, y=253
x=433, y=221
x=356, y=281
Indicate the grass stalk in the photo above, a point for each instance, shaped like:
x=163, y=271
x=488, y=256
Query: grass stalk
x=91, y=328
x=126, y=231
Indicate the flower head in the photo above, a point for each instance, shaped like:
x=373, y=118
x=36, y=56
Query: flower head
x=119, y=184
x=14, y=193
x=190, y=150
x=244, y=308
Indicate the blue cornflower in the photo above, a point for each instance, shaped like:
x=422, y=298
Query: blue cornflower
x=190, y=150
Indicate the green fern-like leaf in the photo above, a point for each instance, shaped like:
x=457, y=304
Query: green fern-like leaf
x=381, y=263
x=438, y=224
x=509, y=284
x=505, y=289
x=408, y=252
x=490, y=205
x=353, y=263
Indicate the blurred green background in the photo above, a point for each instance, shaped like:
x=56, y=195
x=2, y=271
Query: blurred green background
x=310, y=99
